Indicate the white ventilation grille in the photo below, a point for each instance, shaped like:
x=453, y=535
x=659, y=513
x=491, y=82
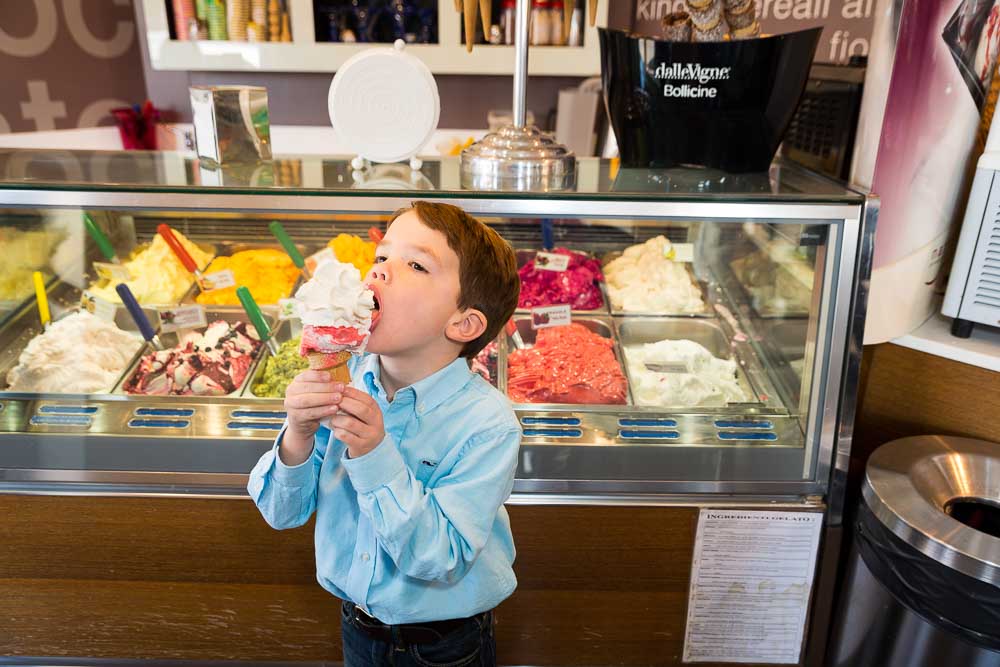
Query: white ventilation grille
x=985, y=275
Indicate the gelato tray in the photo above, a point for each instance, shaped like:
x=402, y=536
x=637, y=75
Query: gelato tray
x=272, y=374
x=213, y=361
x=669, y=288
x=158, y=278
x=79, y=353
x=580, y=284
x=577, y=364
x=265, y=269
x=682, y=363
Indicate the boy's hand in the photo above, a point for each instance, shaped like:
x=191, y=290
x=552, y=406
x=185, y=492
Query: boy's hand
x=358, y=423
x=310, y=397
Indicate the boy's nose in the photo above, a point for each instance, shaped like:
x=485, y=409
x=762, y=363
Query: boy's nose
x=380, y=272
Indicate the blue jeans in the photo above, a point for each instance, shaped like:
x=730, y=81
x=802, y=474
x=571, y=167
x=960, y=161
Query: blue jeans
x=470, y=645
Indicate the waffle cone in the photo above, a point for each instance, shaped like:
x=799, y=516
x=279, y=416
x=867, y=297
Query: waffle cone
x=335, y=363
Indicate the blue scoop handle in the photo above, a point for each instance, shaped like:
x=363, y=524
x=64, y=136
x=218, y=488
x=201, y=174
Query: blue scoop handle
x=135, y=310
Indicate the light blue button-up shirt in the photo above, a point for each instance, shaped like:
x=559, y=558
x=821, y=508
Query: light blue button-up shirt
x=415, y=530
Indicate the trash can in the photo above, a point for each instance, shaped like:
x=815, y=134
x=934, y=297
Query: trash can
x=922, y=585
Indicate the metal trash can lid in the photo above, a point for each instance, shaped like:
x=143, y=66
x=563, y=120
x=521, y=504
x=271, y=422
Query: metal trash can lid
x=941, y=495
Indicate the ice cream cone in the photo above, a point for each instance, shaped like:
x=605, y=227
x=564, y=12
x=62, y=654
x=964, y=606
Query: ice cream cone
x=486, y=13
x=568, y=7
x=471, y=7
x=336, y=363
x=593, y=12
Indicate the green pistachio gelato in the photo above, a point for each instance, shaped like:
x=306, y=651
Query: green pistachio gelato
x=280, y=370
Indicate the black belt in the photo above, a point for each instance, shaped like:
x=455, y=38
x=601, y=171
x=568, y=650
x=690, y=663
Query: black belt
x=410, y=633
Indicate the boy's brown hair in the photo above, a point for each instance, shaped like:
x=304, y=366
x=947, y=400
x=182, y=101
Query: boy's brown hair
x=487, y=273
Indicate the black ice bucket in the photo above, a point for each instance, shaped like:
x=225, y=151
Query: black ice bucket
x=715, y=104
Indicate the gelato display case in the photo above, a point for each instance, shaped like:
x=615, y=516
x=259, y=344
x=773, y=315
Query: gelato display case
x=679, y=331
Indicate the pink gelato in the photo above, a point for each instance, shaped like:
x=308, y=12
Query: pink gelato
x=578, y=285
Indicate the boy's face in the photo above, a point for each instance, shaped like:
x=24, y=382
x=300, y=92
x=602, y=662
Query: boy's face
x=416, y=283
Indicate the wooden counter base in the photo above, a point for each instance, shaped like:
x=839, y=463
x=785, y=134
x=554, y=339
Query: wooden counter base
x=195, y=579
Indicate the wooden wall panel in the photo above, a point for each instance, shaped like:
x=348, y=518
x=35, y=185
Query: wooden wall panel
x=174, y=578
x=904, y=392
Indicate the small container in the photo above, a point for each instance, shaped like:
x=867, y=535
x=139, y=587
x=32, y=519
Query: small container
x=541, y=23
x=556, y=22
x=507, y=20
x=231, y=124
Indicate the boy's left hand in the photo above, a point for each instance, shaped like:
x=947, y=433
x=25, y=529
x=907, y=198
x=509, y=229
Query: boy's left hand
x=358, y=422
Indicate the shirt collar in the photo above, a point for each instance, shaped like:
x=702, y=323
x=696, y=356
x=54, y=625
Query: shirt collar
x=428, y=393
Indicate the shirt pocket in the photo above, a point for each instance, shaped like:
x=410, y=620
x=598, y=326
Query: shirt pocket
x=425, y=470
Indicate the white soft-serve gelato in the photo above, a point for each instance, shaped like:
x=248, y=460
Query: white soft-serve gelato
x=79, y=354
x=336, y=297
x=644, y=280
x=708, y=382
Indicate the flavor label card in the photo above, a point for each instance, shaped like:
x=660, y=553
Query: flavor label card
x=314, y=260
x=218, y=280
x=286, y=309
x=99, y=307
x=550, y=261
x=182, y=317
x=681, y=252
x=116, y=273
x=550, y=316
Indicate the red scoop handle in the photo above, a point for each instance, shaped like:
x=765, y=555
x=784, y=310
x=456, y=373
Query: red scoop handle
x=175, y=245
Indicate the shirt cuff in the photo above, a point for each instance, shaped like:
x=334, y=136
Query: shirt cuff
x=299, y=475
x=376, y=468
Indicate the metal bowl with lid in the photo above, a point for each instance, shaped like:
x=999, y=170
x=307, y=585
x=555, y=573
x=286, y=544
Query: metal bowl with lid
x=941, y=495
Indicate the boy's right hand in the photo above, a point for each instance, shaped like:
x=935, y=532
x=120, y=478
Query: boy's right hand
x=310, y=397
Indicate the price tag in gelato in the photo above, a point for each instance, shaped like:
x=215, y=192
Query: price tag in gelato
x=550, y=316
x=314, y=260
x=182, y=317
x=100, y=308
x=287, y=309
x=218, y=280
x=681, y=252
x=551, y=261
x=116, y=273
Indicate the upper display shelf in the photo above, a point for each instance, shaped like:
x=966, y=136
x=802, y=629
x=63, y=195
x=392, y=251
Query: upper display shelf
x=597, y=180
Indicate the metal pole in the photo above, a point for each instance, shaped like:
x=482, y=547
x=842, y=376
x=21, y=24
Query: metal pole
x=521, y=61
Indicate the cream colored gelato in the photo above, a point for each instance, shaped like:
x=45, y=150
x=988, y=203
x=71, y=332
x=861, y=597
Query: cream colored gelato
x=158, y=277
x=644, y=280
x=79, y=354
x=696, y=379
x=335, y=297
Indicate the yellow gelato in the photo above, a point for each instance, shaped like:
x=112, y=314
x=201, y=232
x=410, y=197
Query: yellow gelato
x=158, y=277
x=23, y=252
x=269, y=275
x=352, y=249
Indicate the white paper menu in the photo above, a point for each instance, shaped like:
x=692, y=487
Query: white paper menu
x=751, y=581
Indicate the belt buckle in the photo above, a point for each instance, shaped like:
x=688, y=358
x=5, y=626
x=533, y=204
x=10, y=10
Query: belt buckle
x=362, y=616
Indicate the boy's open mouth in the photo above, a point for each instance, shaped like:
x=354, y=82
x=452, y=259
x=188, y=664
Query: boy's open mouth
x=377, y=312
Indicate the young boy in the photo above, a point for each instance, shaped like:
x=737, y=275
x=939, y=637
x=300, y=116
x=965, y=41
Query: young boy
x=409, y=481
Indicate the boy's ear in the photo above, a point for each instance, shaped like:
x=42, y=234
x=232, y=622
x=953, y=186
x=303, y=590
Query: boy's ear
x=467, y=325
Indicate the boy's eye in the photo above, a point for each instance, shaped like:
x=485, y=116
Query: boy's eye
x=418, y=267
x=379, y=259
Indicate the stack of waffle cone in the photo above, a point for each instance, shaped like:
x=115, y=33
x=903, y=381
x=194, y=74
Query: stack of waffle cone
x=335, y=363
x=258, y=15
x=273, y=21
x=237, y=14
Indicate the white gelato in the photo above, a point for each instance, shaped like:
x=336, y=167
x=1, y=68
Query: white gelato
x=708, y=382
x=644, y=280
x=79, y=354
x=335, y=297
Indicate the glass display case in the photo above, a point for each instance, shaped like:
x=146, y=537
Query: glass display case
x=713, y=343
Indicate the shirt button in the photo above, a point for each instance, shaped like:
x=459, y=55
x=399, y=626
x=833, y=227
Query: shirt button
x=365, y=556
x=421, y=408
